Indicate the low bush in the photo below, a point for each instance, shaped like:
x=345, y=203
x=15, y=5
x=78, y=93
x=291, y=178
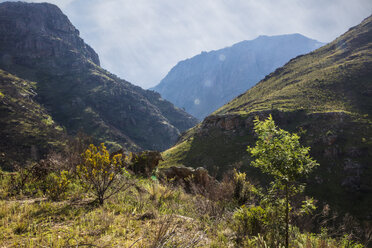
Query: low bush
x=57, y=185
x=103, y=174
x=249, y=221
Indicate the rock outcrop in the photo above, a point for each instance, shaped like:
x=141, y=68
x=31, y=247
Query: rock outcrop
x=193, y=180
x=39, y=31
x=144, y=163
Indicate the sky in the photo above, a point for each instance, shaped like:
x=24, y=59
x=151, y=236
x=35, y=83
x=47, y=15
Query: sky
x=141, y=40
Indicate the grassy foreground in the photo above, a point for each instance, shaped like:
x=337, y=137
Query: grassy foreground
x=148, y=214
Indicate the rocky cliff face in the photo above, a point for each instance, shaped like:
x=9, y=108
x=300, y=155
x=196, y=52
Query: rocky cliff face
x=38, y=43
x=40, y=31
x=326, y=93
x=209, y=80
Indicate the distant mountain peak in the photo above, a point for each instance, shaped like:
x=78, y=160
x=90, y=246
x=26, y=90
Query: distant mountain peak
x=205, y=82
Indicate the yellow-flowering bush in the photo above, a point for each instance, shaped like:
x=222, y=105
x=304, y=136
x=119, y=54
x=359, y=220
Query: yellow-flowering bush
x=102, y=173
x=57, y=185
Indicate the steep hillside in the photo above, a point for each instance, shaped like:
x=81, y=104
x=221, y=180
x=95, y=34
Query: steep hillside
x=207, y=81
x=26, y=129
x=38, y=43
x=328, y=93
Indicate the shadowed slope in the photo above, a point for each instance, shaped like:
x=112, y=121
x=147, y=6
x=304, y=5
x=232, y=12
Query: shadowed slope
x=26, y=129
x=38, y=43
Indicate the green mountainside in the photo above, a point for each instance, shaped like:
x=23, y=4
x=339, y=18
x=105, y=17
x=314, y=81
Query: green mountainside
x=38, y=43
x=336, y=77
x=26, y=129
x=328, y=93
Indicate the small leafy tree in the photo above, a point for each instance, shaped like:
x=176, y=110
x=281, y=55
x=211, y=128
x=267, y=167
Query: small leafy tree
x=101, y=172
x=280, y=154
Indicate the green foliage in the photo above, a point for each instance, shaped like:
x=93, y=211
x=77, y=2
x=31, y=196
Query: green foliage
x=101, y=172
x=21, y=227
x=244, y=191
x=346, y=242
x=57, y=185
x=249, y=220
x=308, y=206
x=174, y=155
x=26, y=180
x=18, y=182
x=280, y=154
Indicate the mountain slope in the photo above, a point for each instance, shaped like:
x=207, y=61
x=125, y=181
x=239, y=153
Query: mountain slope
x=207, y=81
x=26, y=129
x=328, y=93
x=38, y=43
x=337, y=77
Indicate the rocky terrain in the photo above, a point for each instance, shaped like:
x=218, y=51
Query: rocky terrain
x=327, y=93
x=209, y=80
x=38, y=43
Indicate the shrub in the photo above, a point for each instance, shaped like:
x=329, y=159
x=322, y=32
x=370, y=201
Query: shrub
x=24, y=179
x=243, y=190
x=57, y=185
x=249, y=220
x=21, y=227
x=101, y=172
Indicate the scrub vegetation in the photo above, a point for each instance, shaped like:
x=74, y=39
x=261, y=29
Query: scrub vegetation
x=96, y=199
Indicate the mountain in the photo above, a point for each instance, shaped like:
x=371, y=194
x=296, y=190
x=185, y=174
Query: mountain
x=328, y=93
x=39, y=43
x=209, y=80
x=26, y=129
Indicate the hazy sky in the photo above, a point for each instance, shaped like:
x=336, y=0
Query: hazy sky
x=141, y=40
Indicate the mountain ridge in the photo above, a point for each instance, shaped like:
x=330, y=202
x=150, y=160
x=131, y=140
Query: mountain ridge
x=39, y=43
x=205, y=82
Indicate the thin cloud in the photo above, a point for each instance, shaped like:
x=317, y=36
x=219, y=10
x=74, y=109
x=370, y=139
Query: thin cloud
x=141, y=40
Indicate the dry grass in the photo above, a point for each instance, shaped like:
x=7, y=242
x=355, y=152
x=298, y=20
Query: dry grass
x=150, y=214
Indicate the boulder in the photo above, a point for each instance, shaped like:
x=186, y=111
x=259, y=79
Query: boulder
x=188, y=177
x=144, y=163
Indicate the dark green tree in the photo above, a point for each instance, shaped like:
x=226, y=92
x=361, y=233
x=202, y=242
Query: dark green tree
x=280, y=154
